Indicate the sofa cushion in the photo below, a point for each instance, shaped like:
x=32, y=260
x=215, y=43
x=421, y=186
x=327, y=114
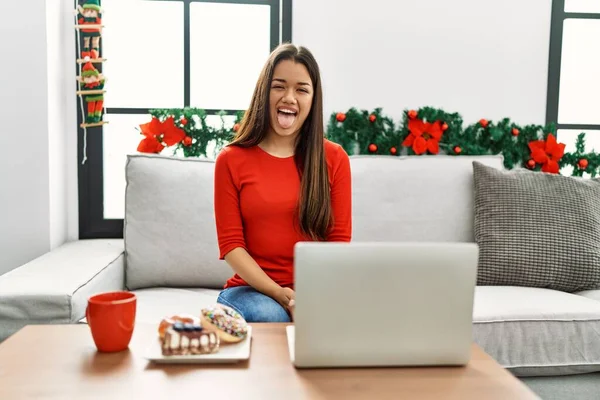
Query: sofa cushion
x=156, y=303
x=536, y=229
x=566, y=387
x=170, y=232
x=538, y=332
x=54, y=288
x=425, y=198
x=590, y=294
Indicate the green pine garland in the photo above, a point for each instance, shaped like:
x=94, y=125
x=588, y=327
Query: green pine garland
x=355, y=132
x=197, y=128
x=364, y=132
x=591, y=165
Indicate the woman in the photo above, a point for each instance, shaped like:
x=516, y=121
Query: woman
x=277, y=183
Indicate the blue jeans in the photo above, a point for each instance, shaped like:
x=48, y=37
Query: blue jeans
x=253, y=305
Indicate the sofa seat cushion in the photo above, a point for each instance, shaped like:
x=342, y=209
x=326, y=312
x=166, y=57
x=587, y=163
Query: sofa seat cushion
x=156, y=303
x=538, y=332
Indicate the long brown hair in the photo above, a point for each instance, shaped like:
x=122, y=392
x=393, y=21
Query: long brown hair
x=314, y=205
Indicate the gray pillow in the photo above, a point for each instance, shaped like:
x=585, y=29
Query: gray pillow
x=170, y=232
x=537, y=229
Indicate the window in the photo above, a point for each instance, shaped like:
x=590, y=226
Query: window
x=573, y=79
x=168, y=54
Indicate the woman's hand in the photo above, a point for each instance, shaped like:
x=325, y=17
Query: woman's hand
x=284, y=295
x=287, y=298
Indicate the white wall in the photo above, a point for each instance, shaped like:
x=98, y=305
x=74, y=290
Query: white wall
x=24, y=181
x=482, y=59
x=37, y=169
x=62, y=125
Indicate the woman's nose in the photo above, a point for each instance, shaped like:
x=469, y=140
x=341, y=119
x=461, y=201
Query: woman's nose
x=289, y=96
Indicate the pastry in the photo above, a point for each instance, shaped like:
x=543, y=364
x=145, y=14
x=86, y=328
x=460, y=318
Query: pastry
x=189, y=339
x=168, y=322
x=228, y=323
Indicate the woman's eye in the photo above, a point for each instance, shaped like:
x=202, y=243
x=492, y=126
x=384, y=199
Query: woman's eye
x=277, y=87
x=303, y=90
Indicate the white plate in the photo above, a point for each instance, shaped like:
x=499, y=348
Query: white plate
x=228, y=353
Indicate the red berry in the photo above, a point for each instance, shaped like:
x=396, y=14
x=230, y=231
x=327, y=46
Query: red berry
x=583, y=163
x=372, y=117
x=515, y=132
x=393, y=151
x=444, y=126
x=341, y=117
x=184, y=121
x=483, y=122
x=457, y=150
x=187, y=141
x=531, y=164
x=372, y=148
x=412, y=114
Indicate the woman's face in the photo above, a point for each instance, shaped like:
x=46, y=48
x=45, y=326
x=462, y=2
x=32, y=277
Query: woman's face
x=290, y=98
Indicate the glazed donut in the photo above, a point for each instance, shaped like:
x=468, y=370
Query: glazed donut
x=168, y=322
x=229, y=324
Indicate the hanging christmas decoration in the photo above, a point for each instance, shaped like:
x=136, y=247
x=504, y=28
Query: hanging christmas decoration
x=90, y=24
x=91, y=86
x=91, y=81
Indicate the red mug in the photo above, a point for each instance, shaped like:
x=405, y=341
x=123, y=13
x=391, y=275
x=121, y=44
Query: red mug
x=111, y=318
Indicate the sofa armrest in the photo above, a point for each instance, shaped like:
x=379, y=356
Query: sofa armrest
x=54, y=288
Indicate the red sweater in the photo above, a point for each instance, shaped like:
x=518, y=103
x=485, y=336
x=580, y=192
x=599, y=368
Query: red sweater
x=256, y=196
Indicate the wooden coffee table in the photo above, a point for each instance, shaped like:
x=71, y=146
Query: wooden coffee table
x=61, y=362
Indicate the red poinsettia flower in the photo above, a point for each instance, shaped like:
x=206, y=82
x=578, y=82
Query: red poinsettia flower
x=171, y=133
x=158, y=134
x=424, y=136
x=152, y=128
x=547, y=153
x=150, y=144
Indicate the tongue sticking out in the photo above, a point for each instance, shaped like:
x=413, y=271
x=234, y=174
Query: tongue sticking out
x=285, y=120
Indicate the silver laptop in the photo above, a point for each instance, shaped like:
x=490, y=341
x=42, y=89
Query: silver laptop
x=382, y=304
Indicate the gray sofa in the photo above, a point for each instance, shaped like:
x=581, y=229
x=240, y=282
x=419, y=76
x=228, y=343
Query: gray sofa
x=169, y=258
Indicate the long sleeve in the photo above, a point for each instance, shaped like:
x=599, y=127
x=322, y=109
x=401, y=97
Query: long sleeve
x=230, y=231
x=341, y=200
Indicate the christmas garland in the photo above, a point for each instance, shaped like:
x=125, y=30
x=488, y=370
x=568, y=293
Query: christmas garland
x=426, y=131
x=430, y=131
x=184, y=129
